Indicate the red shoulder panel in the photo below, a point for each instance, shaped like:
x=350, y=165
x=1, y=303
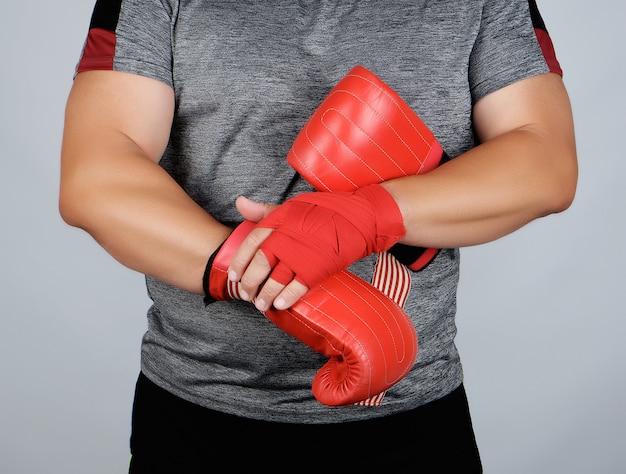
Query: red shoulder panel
x=99, y=51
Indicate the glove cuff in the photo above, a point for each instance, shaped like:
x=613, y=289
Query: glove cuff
x=208, y=299
x=215, y=280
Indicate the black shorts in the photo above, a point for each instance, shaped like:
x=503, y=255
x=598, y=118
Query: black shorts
x=173, y=436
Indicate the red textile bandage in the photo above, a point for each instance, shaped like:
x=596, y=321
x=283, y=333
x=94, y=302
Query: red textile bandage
x=318, y=234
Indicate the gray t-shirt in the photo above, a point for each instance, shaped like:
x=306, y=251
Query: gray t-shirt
x=247, y=75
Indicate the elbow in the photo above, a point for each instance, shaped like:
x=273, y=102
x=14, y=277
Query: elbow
x=566, y=197
x=563, y=191
x=81, y=193
x=68, y=206
x=562, y=200
x=73, y=202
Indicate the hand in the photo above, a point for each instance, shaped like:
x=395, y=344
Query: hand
x=256, y=267
x=309, y=238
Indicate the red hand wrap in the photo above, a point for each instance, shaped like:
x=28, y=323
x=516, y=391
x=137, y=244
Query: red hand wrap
x=318, y=234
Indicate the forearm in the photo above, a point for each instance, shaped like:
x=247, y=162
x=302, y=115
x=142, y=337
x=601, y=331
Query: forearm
x=524, y=169
x=139, y=214
x=488, y=192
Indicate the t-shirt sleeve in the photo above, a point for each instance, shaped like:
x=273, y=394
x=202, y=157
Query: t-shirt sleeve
x=507, y=47
x=543, y=37
x=130, y=36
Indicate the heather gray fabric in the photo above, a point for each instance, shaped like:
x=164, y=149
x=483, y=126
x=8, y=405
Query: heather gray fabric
x=247, y=75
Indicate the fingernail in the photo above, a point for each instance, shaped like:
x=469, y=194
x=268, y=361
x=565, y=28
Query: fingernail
x=232, y=275
x=261, y=305
x=279, y=303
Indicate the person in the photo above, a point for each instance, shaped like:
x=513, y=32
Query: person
x=177, y=127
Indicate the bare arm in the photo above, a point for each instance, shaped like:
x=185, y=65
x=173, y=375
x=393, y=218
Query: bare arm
x=525, y=168
x=117, y=126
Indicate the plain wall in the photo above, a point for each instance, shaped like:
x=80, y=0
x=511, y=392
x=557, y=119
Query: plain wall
x=541, y=312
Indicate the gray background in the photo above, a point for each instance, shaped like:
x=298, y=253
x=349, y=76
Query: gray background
x=541, y=312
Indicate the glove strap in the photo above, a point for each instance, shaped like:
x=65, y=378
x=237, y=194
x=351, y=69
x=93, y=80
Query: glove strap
x=393, y=279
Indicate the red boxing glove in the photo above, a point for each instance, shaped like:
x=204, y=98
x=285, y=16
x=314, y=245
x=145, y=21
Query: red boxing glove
x=318, y=234
x=364, y=133
x=369, y=339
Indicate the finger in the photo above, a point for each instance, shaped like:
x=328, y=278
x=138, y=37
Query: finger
x=267, y=294
x=246, y=252
x=255, y=275
x=290, y=294
x=252, y=210
x=281, y=273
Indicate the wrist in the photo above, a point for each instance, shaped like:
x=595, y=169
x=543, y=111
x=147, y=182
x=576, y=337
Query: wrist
x=389, y=220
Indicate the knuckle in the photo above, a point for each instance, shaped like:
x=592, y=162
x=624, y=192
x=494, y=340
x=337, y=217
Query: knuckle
x=261, y=259
x=294, y=291
x=256, y=237
x=272, y=289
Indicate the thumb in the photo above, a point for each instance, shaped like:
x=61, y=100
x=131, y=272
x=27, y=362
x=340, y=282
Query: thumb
x=252, y=210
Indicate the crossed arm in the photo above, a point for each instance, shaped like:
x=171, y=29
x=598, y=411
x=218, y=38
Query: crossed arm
x=117, y=127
